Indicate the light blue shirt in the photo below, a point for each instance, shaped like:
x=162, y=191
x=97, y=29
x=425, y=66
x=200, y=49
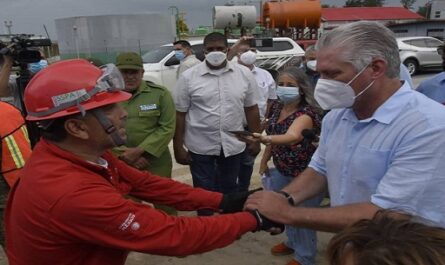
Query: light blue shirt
x=434, y=88
x=405, y=76
x=395, y=159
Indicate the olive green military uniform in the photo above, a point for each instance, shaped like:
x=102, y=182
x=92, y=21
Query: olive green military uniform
x=151, y=121
x=151, y=125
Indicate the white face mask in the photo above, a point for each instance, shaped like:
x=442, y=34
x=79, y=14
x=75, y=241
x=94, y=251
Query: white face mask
x=312, y=65
x=333, y=94
x=216, y=58
x=248, y=58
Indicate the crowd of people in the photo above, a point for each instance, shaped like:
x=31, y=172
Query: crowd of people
x=98, y=185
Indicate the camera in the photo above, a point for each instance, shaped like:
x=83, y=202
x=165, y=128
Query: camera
x=19, y=47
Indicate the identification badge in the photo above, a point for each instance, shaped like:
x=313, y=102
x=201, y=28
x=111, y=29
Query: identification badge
x=148, y=107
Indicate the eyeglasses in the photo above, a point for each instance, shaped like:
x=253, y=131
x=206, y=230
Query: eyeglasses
x=440, y=50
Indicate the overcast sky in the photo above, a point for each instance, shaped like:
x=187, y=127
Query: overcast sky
x=29, y=16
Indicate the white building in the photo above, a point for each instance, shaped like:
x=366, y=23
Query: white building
x=437, y=10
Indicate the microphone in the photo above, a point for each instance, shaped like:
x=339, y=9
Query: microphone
x=309, y=135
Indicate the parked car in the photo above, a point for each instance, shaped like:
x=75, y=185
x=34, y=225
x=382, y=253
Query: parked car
x=418, y=53
x=161, y=65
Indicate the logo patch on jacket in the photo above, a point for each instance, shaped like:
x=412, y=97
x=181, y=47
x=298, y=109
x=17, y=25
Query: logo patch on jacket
x=130, y=221
x=148, y=107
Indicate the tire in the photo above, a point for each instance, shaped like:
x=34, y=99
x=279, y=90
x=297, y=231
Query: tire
x=412, y=65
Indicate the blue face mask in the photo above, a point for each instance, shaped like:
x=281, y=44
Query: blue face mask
x=288, y=94
x=35, y=67
x=179, y=55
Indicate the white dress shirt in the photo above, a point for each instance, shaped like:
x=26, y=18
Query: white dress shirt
x=267, y=88
x=215, y=102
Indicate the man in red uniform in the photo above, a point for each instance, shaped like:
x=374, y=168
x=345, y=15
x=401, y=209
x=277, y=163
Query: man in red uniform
x=15, y=150
x=70, y=205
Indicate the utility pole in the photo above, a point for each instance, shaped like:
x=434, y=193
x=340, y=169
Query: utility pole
x=175, y=12
x=75, y=41
x=8, y=25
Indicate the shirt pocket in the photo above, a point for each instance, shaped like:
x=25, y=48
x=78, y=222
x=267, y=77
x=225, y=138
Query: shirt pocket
x=368, y=166
x=150, y=117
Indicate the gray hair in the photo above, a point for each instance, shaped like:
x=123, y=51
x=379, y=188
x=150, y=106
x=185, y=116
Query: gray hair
x=303, y=83
x=363, y=41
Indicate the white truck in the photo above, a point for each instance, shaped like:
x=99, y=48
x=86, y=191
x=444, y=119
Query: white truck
x=161, y=65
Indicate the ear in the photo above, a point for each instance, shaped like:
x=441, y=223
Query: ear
x=379, y=67
x=77, y=128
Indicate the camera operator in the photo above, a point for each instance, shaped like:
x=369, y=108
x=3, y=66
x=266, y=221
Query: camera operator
x=9, y=91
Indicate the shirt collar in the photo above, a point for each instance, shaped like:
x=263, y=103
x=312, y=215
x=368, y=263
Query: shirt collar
x=204, y=69
x=59, y=152
x=389, y=110
x=143, y=87
x=191, y=56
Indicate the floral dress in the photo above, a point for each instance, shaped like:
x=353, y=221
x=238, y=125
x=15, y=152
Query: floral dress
x=291, y=160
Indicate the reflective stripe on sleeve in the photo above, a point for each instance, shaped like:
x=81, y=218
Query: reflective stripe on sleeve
x=16, y=154
x=25, y=133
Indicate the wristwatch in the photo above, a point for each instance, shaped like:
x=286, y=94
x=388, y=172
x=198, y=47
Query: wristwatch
x=289, y=197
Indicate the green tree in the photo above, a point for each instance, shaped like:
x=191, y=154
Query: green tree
x=423, y=11
x=182, y=25
x=373, y=3
x=408, y=4
x=353, y=3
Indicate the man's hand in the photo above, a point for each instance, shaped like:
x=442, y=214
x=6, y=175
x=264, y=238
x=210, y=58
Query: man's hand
x=234, y=49
x=254, y=148
x=5, y=72
x=131, y=155
x=141, y=163
x=265, y=224
x=182, y=156
x=8, y=61
x=234, y=202
x=270, y=204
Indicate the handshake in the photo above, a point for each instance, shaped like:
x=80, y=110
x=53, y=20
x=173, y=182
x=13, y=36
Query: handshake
x=234, y=202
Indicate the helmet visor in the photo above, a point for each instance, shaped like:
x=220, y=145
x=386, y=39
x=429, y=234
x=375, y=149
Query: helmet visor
x=111, y=79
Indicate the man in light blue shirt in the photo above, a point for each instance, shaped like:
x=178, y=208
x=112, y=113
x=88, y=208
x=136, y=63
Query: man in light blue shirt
x=434, y=88
x=381, y=147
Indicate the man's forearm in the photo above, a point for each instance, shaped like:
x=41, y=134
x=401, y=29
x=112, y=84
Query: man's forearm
x=253, y=118
x=5, y=72
x=331, y=219
x=178, y=139
x=307, y=185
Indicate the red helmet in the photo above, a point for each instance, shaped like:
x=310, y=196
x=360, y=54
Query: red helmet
x=72, y=86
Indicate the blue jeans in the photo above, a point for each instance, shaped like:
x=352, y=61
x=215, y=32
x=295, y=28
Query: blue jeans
x=215, y=173
x=245, y=170
x=303, y=241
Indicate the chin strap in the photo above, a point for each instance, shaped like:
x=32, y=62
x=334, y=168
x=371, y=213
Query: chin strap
x=108, y=127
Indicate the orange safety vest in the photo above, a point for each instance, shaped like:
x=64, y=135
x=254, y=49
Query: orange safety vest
x=15, y=148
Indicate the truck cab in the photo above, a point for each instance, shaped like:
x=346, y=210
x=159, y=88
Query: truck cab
x=161, y=65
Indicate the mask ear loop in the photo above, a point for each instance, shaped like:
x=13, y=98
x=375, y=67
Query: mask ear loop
x=358, y=74
x=355, y=77
x=364, y=90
